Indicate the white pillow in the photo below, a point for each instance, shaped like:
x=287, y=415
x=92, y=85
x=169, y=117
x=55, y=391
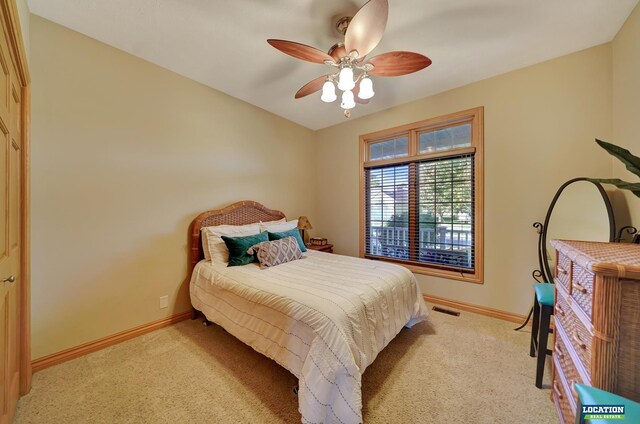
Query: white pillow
x=214, y=247
x=265, y=225
x=278, y=227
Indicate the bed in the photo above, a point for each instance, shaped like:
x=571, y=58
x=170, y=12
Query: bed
x=324, y=318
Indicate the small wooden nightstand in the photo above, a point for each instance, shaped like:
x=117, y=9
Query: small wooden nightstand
x=327, y=248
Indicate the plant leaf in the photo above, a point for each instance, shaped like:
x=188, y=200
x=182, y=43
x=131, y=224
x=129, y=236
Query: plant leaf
x=630, y=161
x=624, y=185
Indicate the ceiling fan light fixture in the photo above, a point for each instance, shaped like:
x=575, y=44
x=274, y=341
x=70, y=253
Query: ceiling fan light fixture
x=350, y=61
x=366, y=88
x=345, y=79
x=328, y=92
x=348, y=100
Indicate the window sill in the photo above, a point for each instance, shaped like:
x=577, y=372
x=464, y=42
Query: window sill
x=475, y=278
x=451, y=275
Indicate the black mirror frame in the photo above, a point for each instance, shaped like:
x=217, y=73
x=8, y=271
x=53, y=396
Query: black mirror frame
x=545, y=272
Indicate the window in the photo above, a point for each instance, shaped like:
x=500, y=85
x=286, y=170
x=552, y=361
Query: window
x=387, y=149
x=421, y=196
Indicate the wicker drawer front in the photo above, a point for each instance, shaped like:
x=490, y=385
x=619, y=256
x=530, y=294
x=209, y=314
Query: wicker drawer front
x=563, y=271
x=581, y=340
x=577, y=334
x=562, y=309
x=567, y=413
x=566, y=367
x=582, y=288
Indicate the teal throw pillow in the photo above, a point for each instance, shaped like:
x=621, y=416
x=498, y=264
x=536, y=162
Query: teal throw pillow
x=238, y=247
x=295, y=233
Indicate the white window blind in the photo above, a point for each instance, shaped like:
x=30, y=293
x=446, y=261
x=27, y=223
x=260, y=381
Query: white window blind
x=387, y=231
x=422, y=212
x=445, y=201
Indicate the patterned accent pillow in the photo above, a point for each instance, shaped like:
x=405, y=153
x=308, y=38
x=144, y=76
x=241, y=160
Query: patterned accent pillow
x=272, y=253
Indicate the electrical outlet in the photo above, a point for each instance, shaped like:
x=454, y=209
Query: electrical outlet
x=164, y=302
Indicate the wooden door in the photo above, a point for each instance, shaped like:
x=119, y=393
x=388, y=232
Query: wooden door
x=10, y=232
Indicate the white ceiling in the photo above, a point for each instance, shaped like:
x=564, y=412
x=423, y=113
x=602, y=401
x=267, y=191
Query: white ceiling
x=223, y=43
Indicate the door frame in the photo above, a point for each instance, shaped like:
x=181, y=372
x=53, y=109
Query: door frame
x=19, y=58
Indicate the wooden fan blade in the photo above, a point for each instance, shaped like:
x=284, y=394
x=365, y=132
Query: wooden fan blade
x=356, y=90
x=300, y=51
x=311, y=87
x=367, y=26
x=337, y=52
x=394, y=64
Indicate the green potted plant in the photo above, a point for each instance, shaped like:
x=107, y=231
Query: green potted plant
x=632, y=163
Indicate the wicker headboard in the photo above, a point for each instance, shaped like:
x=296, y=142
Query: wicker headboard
x=239, y=213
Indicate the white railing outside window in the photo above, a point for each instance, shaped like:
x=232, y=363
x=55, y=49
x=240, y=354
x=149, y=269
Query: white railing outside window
x=394, y=242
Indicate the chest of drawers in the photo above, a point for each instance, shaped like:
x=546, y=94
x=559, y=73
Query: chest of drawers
x=597, y=321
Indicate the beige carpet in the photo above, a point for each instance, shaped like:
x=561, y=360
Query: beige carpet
x=450, y=370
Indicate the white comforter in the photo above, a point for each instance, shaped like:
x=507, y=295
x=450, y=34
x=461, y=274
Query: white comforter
x=325, y=318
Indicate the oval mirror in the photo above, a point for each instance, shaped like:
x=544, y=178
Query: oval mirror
x=580, y=210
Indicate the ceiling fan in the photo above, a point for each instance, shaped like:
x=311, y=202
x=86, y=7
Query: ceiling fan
x=362, y=33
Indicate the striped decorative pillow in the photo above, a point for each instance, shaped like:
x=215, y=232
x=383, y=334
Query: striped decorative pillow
x=276, y=252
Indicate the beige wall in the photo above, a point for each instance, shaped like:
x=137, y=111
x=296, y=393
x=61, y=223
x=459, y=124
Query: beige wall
x=540, y=124
x=626, y=108
x=125, y=155
x=24, y=15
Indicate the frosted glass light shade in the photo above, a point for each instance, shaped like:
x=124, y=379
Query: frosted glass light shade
x=328, y=92
x=366, y=88
x=348, y=101
x=345, y=79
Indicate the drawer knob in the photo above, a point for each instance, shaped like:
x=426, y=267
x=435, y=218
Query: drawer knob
x=580, y=288
x=558, y=351
x=559, y=310
x=578, y=340
x=557, y=390
x=562, y=271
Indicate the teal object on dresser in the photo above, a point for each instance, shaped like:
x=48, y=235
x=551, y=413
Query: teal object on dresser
x=590, y=396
